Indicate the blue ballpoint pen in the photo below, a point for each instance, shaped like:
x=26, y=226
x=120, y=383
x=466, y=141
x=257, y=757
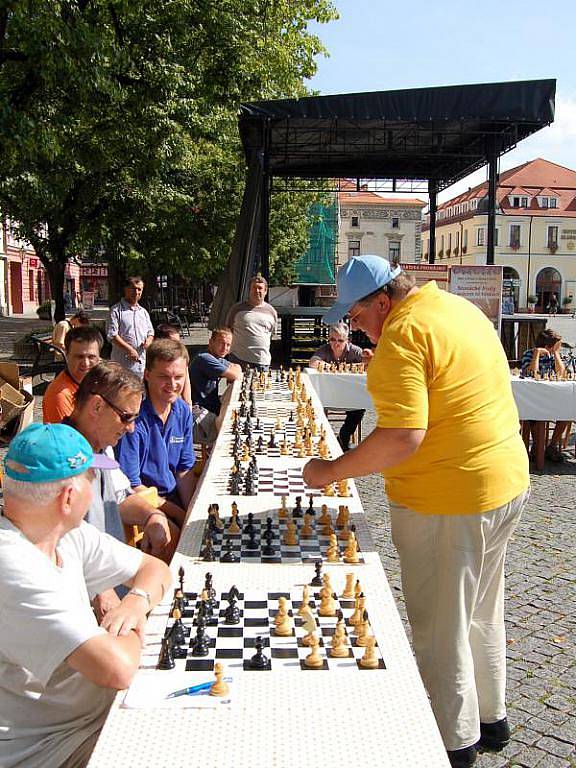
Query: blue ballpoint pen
x=190, y=691
x=193, y=689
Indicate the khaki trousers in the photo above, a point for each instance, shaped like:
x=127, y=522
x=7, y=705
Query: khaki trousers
x=452, y=569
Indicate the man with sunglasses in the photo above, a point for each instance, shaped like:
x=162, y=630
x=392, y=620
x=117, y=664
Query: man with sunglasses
x=83, y=346
x=447, y=441
x=107, y=406
x=340, y=350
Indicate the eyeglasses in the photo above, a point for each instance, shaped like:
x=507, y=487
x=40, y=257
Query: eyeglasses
x=365, y=302
x=337, y=341
x=124, y=416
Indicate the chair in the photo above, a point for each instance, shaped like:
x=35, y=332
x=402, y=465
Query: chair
x=49, y=358
x=337, y=416
x=133, y=533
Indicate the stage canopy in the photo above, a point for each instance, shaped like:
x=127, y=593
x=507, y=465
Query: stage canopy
x=435, y=134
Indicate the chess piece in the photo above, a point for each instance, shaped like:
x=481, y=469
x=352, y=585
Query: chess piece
x=283, y=511
x=307, y=531
x=214, y=511
x=309, y=626
x=324, y=518
x=181, y=578
x=305, y=605
x=333, y=551
x=228, y=556
x=339, y=647
x=362, y=630
x=177, y=634
x=317, y=578
x=259, y=660
x=358, y=589
x=201, y=644
x=342, y=517
x=327, y=606
x=351, y=551
x=343, y=488
x=233, y=527
x=207, y=553
x=327, y=588
x=232, y=613
x=290, y=536
x=369, y=660
x=356, y=617
x=297, y=511
x=328, y=490
x=166, y=660
x=282, y=620
x=344, y=534
x=348, y=593
x=314, y=660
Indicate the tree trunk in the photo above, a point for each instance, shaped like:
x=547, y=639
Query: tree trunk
x=116, y=277
x=55, y=270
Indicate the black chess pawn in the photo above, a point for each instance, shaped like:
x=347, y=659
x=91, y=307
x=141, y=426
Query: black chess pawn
x=253, y=409
x=201, y=644
x=249, y=525
x=272, y=441
x=268, y=550
x=209, y=589
x=181, y=574
x=297, y=511
x=252, y=544
x=291, y=416
x=317, y=580
x=177, y=640
x=166, y=659
x=207, y=553
x=259, y=660
x=258, y=425
x=311, y=505
x=228, y=556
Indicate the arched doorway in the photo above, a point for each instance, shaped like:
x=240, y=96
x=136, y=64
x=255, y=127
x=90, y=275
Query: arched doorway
x=510, y=290
x=547, y=283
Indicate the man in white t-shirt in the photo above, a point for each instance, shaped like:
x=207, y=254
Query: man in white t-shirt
x=59, y=670
x=252, y=322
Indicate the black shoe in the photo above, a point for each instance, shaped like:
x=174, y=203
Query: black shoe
x=494, y=736
x=462, y=758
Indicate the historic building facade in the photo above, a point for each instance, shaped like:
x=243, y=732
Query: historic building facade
x=372, y=224
x=535, y=232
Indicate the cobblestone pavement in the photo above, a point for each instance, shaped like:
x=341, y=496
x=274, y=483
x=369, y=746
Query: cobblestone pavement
x=540, y=616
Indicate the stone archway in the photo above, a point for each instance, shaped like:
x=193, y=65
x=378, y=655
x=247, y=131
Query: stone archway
x=548, y=282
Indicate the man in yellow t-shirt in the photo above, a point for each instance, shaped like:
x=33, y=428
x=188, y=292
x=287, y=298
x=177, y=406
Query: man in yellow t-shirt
x=448, y=444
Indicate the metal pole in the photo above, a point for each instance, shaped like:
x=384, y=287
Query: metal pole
x=492, y=182
x=432, y=193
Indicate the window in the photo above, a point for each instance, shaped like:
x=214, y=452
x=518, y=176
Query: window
x=465, y=239
x=450, y=241
x=480, y=236
x=552, y=239
x=515, y=202
x=395, y=222
x=355, y=221
x=457, y=238
x=553, y=202
x=31, y=283
x=514, y=235
x=353, y=248
x=394, y=252
x=496, y=236
x=524, y=202
x=544, y=202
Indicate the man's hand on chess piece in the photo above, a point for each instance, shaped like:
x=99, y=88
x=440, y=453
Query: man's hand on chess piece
x=367, y=355
x=318, y=473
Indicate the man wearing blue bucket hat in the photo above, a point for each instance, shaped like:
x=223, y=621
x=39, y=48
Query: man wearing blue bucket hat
x=456, y=472
x=59, y=670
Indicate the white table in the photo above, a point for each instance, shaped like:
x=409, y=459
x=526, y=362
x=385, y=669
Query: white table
x=285, y=718
x=536, y=400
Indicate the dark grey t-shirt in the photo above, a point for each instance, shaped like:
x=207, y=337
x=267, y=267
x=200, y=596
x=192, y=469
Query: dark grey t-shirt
x=351, y=354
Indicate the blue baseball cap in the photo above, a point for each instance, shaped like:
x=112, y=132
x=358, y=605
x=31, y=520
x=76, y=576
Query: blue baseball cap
x=44, y=453
x=357, y=279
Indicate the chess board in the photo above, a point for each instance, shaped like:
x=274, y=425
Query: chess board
x=234, y=644
x=307, y=550
x=266, y=427
x=277, y=481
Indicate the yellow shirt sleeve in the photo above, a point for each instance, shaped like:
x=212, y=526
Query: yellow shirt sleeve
x=399, y=391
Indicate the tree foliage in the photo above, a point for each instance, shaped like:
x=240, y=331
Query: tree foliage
x=118, y=122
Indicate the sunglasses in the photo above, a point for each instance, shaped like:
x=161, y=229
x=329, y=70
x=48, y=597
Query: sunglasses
x=124, y=416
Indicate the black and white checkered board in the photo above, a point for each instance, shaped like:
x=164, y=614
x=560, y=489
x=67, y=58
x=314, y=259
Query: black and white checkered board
x=307, y=550
x=266, y=427
x=234, y=644
x=277, y=481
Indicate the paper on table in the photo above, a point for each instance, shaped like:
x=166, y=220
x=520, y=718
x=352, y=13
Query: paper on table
x=150, y=688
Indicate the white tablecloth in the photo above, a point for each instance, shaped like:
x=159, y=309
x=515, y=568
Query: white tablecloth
x=536, y=400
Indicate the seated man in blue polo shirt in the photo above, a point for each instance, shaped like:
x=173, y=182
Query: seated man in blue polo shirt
x=206, y=370
x=159, y=452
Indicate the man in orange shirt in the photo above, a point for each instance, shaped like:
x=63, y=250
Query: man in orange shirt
x=83, y=346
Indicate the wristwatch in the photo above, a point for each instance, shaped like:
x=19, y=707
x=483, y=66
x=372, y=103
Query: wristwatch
x=141, y=593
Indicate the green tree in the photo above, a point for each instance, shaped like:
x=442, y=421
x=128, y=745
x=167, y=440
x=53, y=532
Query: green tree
x=118, y=120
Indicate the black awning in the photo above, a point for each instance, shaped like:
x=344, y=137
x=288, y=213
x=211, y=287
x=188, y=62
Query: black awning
x=435, y=134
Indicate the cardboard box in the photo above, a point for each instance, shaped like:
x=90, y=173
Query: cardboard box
x=16, y=401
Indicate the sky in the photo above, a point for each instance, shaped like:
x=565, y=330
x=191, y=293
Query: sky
x=377, y=45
